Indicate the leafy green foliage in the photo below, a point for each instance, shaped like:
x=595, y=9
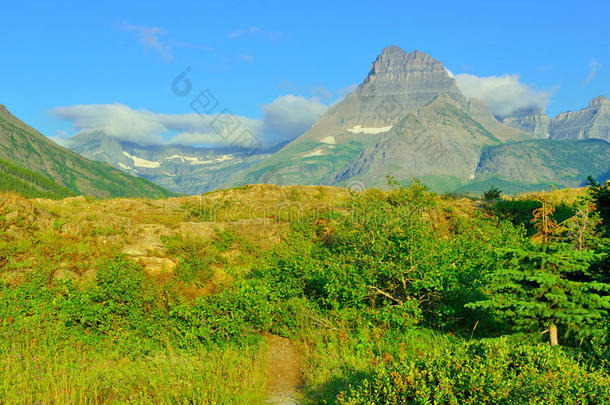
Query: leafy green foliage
x=374, y=293
x=520, y=212
x=493, y=372
x=121, y=304
x=384, y=259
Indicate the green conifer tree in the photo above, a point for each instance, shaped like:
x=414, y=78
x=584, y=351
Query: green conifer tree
x=546, y=284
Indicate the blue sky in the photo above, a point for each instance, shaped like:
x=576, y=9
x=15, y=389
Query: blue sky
x=65, y=54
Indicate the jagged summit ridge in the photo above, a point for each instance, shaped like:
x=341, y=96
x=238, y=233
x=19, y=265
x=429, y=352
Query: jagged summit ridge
x=414, y=77
x=394, y=60
x=590, y=122
x=531, y=120
x=599, y=101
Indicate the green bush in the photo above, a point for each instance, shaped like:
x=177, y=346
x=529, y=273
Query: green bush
x=122, y=304
x=491, y=372
x=386, y=258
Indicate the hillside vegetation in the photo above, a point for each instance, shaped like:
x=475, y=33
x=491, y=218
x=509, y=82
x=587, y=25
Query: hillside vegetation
x=307, y=293
x=29, y=184
x=26, y=148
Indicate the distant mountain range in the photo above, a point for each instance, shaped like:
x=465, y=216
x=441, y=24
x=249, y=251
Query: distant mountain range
x=178, y=168
x=34, y=166
x=408, y=118
x=592, y=122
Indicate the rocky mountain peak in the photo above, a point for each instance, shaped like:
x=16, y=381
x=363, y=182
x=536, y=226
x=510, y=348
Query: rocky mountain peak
x=534, y=121
x=599, y=101
x=395, y=61
x=592, y=121
x=412, y=78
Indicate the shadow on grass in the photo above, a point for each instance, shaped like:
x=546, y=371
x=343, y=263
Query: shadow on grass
x=326, y=393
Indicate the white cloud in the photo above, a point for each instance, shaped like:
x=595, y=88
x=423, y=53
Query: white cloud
x=197, y=138
x=594, y=66
x=116, y=120
x=290, y=116
x=61, y=138
x=245, y=57
x=274, y=35
x=237, y=33
x=188, y=45
x=153, y=39
x=504, y=94
x=150, y=37
x=284, y=119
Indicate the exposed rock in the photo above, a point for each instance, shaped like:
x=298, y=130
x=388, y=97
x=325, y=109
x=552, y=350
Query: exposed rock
x=590, y=122
x=11, y=216
x=89, y=275
x=182, y=169
x=62, y=274
x=398, y=84
x=414, y=79
x=534, y=122
x=12, y=277
x=479, y=111
x=68, y=172
x=156, y=266
x=438, y=140
x=148, y=242
x=544, y=161
x=109, y=239
x=203, y=230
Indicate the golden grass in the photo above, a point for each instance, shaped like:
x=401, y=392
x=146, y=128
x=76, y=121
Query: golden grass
x=33, y=372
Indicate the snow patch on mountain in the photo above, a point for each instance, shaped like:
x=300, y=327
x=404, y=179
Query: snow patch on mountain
x=197, y=161
x=329, y=140
x=138, y=162
x=317, y=152
x=358, y=129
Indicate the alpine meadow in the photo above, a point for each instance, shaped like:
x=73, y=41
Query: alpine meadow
x=230, y=203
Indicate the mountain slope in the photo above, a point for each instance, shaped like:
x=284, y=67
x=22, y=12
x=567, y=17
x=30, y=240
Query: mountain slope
x=25, y=147
x=537, y=164
x=398, y=83
x=479, y=111
x=28, y=183
x=439, y=143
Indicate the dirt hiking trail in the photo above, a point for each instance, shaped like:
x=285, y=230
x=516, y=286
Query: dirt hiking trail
x=284, y=371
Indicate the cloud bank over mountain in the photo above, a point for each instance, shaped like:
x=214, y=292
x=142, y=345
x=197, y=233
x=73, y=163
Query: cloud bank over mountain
x=505, y=94
x=284, y=119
